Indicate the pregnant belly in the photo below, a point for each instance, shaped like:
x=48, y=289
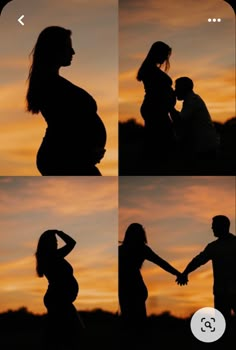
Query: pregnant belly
x=98, y=132
x=58, y=292
x=79, y=138
x=72, y=289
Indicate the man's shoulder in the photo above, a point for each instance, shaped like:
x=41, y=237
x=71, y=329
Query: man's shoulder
x=231, y=239
x=211, y=245
x=194, y=98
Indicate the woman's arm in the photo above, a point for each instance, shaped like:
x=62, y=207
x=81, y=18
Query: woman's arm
x=70, y=243
x=153, y=257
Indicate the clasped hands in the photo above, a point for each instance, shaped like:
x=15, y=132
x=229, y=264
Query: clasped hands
x=182, y=279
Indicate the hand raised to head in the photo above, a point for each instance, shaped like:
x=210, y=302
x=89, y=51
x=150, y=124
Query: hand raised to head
x=182, y=279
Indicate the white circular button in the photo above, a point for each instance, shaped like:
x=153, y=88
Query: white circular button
x=208, y=324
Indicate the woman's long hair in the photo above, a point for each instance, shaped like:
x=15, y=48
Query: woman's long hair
x=135, y=235
x=134, y=243
x=157, y=49
x=50, y=43
x=45, y=248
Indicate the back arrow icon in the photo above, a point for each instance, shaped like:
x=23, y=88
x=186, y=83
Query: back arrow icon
x=20, y=20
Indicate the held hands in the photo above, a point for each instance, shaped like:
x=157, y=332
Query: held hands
x=182, y=279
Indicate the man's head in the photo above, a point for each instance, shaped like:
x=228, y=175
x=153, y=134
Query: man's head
x=183, y=86
x=220, y=225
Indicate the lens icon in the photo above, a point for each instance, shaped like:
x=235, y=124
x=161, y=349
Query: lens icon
x=208, y=324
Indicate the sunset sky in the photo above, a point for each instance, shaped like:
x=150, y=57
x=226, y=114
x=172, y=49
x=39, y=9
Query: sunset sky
x=86, y=209
x=203, y=51
x=94, y=26
x=111, y=39
x=176, y=213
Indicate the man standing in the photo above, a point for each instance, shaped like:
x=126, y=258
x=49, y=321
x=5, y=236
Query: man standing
x=222, y=252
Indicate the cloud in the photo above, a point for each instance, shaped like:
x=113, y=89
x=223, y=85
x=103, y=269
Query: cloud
x=194, y=198
x=83, y=194
x=134, y=12
x=12, y=63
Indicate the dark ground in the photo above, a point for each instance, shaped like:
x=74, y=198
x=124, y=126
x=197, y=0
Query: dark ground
x=131, y=136
x=22, y=330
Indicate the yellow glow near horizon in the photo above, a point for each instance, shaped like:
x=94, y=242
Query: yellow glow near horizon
x=176, y=212
x=86, y=209
x=202, y=51
x=94, y=31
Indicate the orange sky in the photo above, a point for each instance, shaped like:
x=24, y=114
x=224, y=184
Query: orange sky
x=94, y=26
x=176, y=213
x=203, y=51
x=83, y=207
x=108, y=55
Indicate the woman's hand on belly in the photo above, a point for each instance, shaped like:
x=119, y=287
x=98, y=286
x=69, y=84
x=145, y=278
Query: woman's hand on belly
x=98, y=154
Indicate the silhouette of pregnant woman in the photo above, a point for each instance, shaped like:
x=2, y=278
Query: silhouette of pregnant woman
x=75, y=137
x=63, y=323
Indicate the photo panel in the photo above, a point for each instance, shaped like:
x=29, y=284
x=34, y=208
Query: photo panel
x=71, y=114
x=183, y=128
x=85, y=209
x=175, y=214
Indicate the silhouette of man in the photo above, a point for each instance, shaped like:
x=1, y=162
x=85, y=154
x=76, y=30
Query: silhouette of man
x=222, y=252
x=198, y=138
